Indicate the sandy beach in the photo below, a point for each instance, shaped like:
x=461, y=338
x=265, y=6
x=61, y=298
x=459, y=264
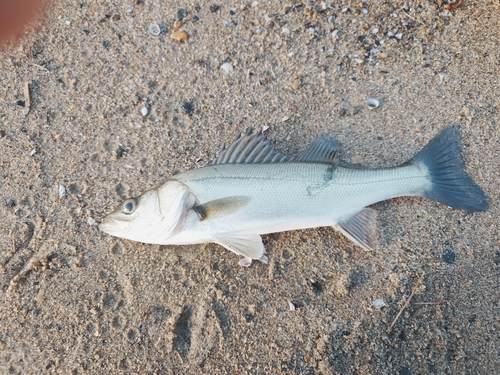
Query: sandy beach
x=108, y=99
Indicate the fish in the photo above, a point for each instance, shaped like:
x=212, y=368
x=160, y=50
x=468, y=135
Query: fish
x=251, y=189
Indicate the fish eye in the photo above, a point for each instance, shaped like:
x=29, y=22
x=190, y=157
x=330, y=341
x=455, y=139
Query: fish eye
x=129, y=206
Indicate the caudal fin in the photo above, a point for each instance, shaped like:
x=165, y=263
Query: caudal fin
x=451, y=185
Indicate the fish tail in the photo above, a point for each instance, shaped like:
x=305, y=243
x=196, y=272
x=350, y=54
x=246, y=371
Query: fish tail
x=451, y=185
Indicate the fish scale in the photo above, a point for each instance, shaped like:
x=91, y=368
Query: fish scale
x=271, y=209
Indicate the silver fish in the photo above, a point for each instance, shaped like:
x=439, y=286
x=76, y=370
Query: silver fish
x=251, y=189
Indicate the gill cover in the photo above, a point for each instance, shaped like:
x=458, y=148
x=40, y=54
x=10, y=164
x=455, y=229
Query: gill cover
x=174, y=201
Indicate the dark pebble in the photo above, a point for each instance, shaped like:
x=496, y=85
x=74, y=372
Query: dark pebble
x=106, y=44
x=9, y=202
x=449, y=255
x=2, y=133
x=188, y=108
x=20, y=103
x=195, y=18
x=121, y=151
x=317, y=288
x=86, y=31
x=35, y=312
x=181, y=14
x=361, y=38
x=232, y=12
x=248, y=318
x=214, y=8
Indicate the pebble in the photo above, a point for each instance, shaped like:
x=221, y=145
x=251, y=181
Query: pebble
x=40, y=296
x=154, y=29
x=9, y=202
x=449, y=255
x=62, y=191
x=177, y=24
x=214, y=8
x=374, y=31
x=91, y=221
x=144, y=111
x=296, y=84
x=195, y=18
x=179, y=36
x=292, y=306
x=379, y=303
x=33, y=152
x=188, y=107
x=181, y=14
x=384, y=55
x=372, y=103
x=230, y=22
x=227, y=67
x=35, y=312
x=245, y=262
x=285, y=31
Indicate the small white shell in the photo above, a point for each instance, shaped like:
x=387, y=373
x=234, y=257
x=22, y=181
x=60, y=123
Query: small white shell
x=62, y=191
x=144, y=111
x=372, y=103
x=245, y=262
x=227, y=67
x=154, y=29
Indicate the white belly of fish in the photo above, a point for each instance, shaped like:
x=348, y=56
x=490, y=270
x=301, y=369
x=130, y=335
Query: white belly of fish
x=287, y=196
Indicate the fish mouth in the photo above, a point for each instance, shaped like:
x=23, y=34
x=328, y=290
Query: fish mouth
x=108, y=226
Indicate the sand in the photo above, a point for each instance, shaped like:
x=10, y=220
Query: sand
x=74, y=300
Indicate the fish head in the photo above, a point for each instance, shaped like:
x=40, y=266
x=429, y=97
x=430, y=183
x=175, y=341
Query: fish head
x=152, y=217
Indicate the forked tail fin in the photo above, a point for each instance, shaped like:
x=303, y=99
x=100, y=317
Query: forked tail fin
x=451, y=185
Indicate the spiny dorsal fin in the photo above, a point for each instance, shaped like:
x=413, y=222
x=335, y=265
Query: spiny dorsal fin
x=324, y=150
x=252, y=148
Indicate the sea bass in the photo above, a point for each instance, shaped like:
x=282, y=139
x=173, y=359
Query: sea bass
x=251, y=189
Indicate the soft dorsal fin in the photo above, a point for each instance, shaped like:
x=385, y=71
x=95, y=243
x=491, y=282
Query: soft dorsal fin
x=323, y=150
x=251, y=148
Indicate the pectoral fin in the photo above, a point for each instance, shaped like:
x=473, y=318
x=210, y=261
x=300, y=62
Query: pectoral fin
x=221, y=207
x=248, y=245
x=360, y=228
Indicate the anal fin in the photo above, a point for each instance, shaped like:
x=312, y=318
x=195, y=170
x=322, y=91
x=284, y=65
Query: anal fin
x=248, y=245
x=361, y=228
